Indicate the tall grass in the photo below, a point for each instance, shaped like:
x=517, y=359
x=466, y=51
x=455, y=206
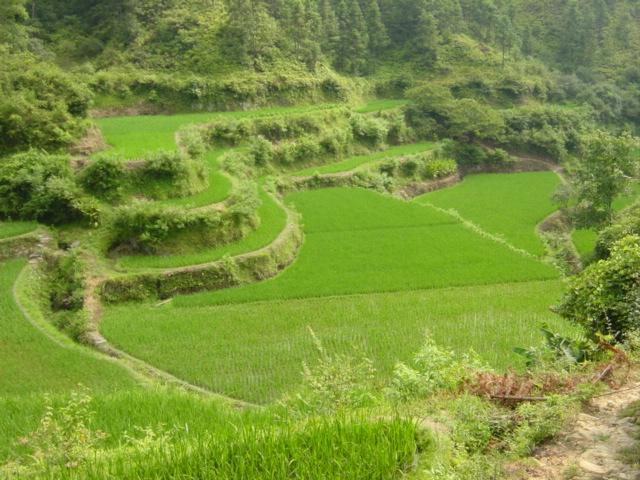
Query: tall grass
x=32, y=362
x=255, y=351
x=359, y=160
x=508, y=205
x=13, y=229
x=273, y=220
x=358, y=241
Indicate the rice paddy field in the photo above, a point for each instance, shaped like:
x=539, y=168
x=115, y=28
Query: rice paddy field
x=273, y=220
x=507, y=205
x=133, y=137
x=360, y=160
x=13, y=229
x=32, y=362
x=374, y=274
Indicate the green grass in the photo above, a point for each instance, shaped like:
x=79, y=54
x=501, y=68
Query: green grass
x=381, y=104
x=219, y=185
x=358, y=241
x=585, y=240
x=255, y=351
x=31, y=362
x=14, y=229
x=133, y=137
x=273, y=220
x=208, y=441
x=507, y=205
x=357, y=161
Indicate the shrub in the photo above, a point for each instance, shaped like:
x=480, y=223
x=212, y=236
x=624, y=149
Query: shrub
x=104, y=177
x=185, y=175
x=605, y=297
x=40, y=105
x=65, y=281
x=439, y=168
x=465, y=154
x=190, y=139
x=262, y=151
x=433, y=369
x=409, y=167
x=627, y=223
x=38, y=186
x=499, y=158
x=371, y=130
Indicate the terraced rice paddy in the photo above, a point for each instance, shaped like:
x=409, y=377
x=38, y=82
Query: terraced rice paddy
x=358, y=241
x=13, y=229
x=219, y=185
x=508, y=205
x=360, y=160
x=273, y=220
x=30, y=362
x=133, y=137
x=255, y=351
x=374, y=273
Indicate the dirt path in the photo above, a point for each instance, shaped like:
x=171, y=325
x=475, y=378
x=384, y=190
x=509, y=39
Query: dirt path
x=591, y=449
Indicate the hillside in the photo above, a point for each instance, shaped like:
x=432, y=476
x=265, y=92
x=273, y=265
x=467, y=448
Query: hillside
x=313, y=239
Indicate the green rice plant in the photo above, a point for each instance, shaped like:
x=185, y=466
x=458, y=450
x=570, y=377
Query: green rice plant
x=14, y=229
x=255, y=351
x=381, y=105
x=272, y=221
x=359, y=241
x=34, y=356
x=359, y=160
x=508, y=205
x=135, y=136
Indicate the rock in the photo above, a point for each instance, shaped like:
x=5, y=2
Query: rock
x=592, y=467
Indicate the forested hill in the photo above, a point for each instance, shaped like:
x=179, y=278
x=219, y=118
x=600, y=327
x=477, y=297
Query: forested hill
x=205, y=36
x=220, y=54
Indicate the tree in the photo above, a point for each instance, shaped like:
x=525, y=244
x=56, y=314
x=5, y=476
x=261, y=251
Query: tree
x=603, y=172
x=605, y=297
x=12, y=31
x=354, y=39
x=426, y=39
x=329, y=31
x=378, y=38
x=506, y=35
x=250, y=32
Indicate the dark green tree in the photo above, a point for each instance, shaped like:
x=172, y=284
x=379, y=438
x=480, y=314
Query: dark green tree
x=378, y=38
x=354, y=40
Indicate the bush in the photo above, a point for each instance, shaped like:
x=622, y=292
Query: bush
x=40, y=105
x=627, y=223
x=65, y=281
x=185, y=175
x=439, y=168
x=104, y=177
x=371, y=130
x=37, y=186
x=262, y=151
x=605, y=297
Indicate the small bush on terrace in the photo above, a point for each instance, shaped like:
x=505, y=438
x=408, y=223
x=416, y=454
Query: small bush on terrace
x=186, y=175
x=38, y=186
x=370, y=130
x=627, y=223
x=104, y=177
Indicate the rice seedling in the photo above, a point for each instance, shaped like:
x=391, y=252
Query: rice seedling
x=507, y=205
x=133, y=137
x=382, y=104
x=359, y=160
x=255, y=351
x=30, y=360
x=358, y=241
